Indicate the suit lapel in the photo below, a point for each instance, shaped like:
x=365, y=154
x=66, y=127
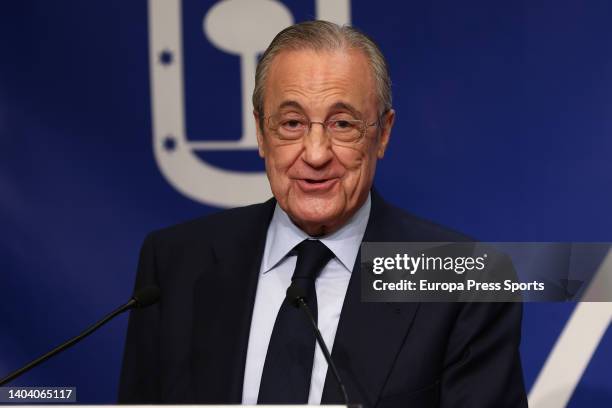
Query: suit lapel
x=224, y=298
x=369, y=335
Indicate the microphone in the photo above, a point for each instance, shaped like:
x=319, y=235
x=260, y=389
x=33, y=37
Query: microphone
x=144, y=297
x=296, y=297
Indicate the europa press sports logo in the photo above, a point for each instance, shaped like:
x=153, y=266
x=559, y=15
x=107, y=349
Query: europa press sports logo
x=241, y=28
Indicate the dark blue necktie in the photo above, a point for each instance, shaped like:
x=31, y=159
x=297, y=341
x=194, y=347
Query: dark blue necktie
x=288, y=366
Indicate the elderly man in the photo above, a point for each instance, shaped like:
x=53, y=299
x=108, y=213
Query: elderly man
x=224, y=333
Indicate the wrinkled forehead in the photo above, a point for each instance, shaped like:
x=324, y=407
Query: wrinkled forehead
x=318, y=80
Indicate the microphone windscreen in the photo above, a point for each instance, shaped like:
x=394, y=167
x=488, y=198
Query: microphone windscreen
x=294, y=293
x=146, y=296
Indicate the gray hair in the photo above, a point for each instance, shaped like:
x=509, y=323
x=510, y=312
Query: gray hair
x=323, y=35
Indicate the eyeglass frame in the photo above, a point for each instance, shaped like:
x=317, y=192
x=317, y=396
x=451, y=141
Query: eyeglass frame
x=364, y=127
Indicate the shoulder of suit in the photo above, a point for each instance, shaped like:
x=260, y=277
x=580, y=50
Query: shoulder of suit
x=221, y=224
x=409, y=227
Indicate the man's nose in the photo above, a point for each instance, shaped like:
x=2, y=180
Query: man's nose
x=317, y=146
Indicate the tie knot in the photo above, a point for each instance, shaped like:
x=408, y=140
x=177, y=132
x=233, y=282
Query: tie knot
x=313, y=255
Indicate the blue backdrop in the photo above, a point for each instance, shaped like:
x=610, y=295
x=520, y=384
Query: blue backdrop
x=503, y=131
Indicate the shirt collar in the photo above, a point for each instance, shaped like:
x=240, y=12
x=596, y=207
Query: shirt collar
x=284, y=235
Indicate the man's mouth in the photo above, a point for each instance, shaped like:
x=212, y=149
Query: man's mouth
x=316, y=181
x=309, y=185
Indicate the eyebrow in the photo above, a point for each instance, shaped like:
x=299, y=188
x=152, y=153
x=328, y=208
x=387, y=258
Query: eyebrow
x=336, y=106
x=348, y=107
x=290, y=104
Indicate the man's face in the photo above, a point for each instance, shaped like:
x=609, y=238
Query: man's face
x=320, y=183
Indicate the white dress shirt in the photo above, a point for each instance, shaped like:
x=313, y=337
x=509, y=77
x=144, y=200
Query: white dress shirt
x=275, y=277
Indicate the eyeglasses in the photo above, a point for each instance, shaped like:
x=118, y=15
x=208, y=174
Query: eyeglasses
x=343, y=130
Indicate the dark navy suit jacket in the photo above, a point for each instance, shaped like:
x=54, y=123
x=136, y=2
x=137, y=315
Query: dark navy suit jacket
x=191, y=347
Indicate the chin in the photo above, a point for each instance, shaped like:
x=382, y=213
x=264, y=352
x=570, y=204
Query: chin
x=315, y=214
x=316, y=218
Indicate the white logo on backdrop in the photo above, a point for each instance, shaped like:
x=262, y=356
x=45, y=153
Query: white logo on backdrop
x=238, y=27
x=576, y=344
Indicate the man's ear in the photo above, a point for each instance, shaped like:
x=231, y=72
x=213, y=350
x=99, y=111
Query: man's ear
x=386, y=124
x=260, y=140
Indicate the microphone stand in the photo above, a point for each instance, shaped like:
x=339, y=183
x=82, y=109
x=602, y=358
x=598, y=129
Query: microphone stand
x=142, y=298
